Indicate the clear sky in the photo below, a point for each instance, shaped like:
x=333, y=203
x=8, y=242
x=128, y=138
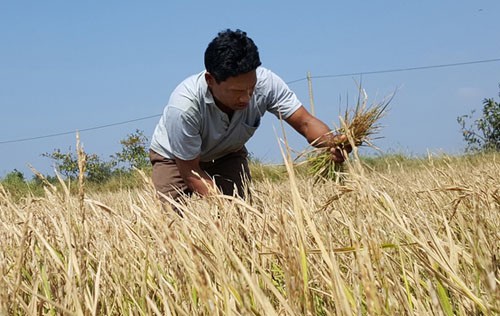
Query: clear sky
x=74, y=65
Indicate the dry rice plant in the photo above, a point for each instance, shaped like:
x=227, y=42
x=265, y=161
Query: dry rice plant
x=362, y=123
x=359, y=125
x=402, y=241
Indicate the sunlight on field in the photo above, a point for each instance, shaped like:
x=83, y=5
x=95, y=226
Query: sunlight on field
x=396, y=239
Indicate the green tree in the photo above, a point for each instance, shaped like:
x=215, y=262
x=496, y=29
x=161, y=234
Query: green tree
x=67, y=164
x=484, y=132
x=133, y=154
x=134, y=150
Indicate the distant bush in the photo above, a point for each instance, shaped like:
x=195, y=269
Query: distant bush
x=16, y=185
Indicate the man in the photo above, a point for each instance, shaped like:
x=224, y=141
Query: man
x=199, y=142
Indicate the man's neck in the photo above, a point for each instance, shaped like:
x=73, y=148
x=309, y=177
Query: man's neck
x=224, y=108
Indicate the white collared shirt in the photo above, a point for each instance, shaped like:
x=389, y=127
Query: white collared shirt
x=192, y=125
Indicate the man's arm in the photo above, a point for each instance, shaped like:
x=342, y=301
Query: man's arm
x=316, y=132
x=198, y=181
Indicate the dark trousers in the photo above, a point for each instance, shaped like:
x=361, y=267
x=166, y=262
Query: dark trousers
x=229, y=172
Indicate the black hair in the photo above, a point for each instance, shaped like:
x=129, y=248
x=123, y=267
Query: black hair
x=230, y=54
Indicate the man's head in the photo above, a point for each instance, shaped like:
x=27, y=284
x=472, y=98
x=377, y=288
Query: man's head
x=231, y=60
x=230, y=54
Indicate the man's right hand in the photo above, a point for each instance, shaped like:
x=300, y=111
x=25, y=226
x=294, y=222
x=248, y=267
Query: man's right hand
x=341, y=148
x=195, y=178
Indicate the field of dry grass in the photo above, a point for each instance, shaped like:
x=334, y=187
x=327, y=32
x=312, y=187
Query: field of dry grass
x=420, y=239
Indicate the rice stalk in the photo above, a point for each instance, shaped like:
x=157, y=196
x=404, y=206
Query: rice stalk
x=385, y=245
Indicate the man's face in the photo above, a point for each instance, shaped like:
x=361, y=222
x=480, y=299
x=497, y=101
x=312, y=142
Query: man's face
x=234, y=93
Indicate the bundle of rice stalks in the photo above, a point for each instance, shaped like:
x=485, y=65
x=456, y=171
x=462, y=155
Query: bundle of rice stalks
x=359, y=125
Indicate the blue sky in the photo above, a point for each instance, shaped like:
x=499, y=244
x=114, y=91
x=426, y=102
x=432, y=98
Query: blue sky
x=72, y=65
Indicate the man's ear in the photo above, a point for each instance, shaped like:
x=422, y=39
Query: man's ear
x=209, y=78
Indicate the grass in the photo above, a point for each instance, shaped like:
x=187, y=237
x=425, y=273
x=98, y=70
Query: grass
x=396, y=238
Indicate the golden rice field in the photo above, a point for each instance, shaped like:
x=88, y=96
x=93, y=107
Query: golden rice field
x=404, y=238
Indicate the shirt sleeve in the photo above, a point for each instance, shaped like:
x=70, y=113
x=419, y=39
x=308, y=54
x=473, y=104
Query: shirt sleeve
x=184, y=133
x=283, y=101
